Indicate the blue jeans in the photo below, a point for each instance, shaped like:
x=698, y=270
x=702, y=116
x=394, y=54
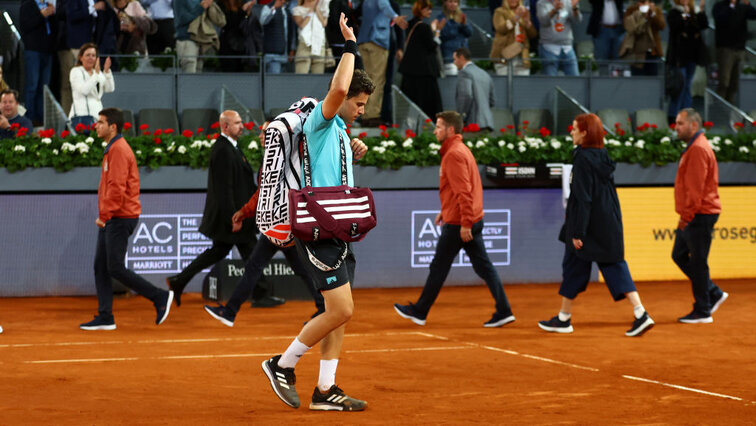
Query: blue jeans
x=684, y=99
x=449, y=244
x=567, y=62
x=607, y=42
x=691, y=254
x=576, y=273
x=112, y=241
x=38, y=70
x=273, y=63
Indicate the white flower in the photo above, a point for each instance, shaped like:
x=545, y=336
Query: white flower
x=433, y=152
x=379, y=149
x=665, y=140
x=640, y=143
x=469, y=144
x=728, y=142
x=19, y=148
x=104, y=144
x=510, y=146
x=568, y=138
x=556, y=144
x=171, y=147
x=253, y=145
x=631, y=138
x=501, y=143
x=46, y=141
x=743, y=149
x=754, y=142
x=485, y=140
x=434, y=146
x=522, y=149
x=55, y=152
x=715, y=140
x=407, y=143
x=182, y=149
x=207, y=144
x=138, y=152
x=157, y=151
x=628, y=143
x=89, y=140
x=67, y=146
x=480, y=144
x=82, y=147
x=388, y=143
x=197, y=144
x=716, y=148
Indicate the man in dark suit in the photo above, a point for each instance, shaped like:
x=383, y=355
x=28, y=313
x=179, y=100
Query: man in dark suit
x=475, y=91
x=230, y=184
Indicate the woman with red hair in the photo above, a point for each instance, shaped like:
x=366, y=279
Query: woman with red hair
x=592, y=231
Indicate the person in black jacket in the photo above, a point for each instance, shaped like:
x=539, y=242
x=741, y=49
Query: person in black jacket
x=685, y=49
x=230, y=183
x=592, y=231
x=730, y=18
x=38, y=31
x=419, y=65
x=605, y=26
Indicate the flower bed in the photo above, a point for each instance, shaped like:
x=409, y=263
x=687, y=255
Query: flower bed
x=166, y=147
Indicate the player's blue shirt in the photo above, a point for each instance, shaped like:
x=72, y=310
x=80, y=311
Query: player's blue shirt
x=323, y=147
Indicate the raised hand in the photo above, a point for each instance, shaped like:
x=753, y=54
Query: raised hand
x=106, y=66
x=346, y=30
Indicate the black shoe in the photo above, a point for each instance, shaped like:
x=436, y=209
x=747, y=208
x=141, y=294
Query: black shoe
x=282, y=381
x=335, y=400
x=640, y=326
x=497, y=320
x=409, y=312
x=177, y=287
x=268, y=302
x=696, y=318
x=99, y=322
x=163, y=307
x=722, y=298
x=555, y=325
x=222, y=314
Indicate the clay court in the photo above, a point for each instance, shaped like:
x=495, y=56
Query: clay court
x=194, y=370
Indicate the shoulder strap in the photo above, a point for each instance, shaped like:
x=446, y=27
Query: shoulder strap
x=307, y=166
x=412, y=30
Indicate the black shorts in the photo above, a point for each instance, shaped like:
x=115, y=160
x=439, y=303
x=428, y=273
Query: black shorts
x=330, y=263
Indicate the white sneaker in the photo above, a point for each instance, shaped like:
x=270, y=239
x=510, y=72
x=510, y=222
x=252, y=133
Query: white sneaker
x=724, y=297
x=1, y=328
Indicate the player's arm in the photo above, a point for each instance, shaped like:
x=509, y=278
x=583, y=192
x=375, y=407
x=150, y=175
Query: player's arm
x=342, y=78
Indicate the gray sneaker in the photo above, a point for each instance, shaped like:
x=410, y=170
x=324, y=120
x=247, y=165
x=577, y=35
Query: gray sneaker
x=335, y=400
x=282, y=381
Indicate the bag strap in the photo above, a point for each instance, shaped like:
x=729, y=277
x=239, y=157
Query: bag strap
x=412, y=30
x=307, y=166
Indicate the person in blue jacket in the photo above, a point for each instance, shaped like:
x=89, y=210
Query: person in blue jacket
x=454, y=33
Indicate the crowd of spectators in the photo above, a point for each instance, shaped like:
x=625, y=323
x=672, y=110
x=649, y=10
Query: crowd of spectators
x=303, y=36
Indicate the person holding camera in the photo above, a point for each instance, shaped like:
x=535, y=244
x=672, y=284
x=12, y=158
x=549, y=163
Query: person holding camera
x=135, y=26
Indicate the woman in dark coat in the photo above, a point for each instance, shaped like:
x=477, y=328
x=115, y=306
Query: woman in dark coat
x=420, y=65
x=592, y=231
x=685, y=49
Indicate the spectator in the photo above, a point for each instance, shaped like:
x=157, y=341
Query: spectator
x=311, y=16
x=164, y=38
x=605, y=26
x=333, y=32
x=730, y=18
x=38, y=32
x=10, y=120
x=557, y=19
x=419, y=66
x=475, y=91
x=88, y=83
x=514, y=29
x=279, y=35
x=253, y=35
x=454, y=33
x=373, y=41
x=76, y=19
x=3, y=84
x=186, y=11
x=396, y=51
x=642, y=43
x=107, y=26
x=232, y=38
x=135, y=26
x=685, y=49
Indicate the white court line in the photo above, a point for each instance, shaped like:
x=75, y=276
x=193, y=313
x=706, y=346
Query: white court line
x=60, y=361
x=720, y=395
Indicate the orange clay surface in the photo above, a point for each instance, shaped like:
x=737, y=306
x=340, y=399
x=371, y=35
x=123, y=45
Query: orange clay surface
x=194, y=370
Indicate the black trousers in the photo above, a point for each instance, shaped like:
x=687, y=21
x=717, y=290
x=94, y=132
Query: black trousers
x=163, y=38
x=112, y=241
x=253, y=270
x=449, y=244
x=213, y=255
x=691, y=254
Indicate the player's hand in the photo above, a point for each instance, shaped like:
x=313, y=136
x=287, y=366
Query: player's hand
x=236, y=221
x=99, y=223
x=438, y=220
x=359, y=149
x=465, y=233
x=346, y=30
x=578, y=243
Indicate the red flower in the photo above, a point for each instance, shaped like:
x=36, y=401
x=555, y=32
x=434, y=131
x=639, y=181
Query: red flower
x=144, y=127
x=146, y=133
x=362, y=135
x=503, y=130
x=22, y=132
x=617, y=125
x=385, y=135
x=158, y=132
x=348, y=131
x=754, y=123
x=15, y=126
x=126, y=125
x=428, y=120
x=214, y=125
x=168, y=131
x=64, y=134
x=396, y=126
x=157, y=141
x=474, y=127
x=569, y=128
x=79, y=127
x=200, y=130
x=526, y=122
x=382, y=127
x=519, y=133
x=215, y=135
x=620, y=132
x=510, y=126
x=465, y=129
x=654, y=126
x=187, y=133
x=739, y=125
x=708, y=124
x=409, y=133
x=672, y=126
x=249, y=126
x=544, y=132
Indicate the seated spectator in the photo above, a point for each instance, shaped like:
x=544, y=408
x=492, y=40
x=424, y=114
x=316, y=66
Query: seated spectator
x=642, y=43
x=454, y=33
x=135, y=26
x=557, y=19
x=311, y=16
x=685, y=49
x=419, y=66
x=161, y=11
x=10, y=120
x=511, y=43
x=731, y=21
x=88, y=83
x=39, y=34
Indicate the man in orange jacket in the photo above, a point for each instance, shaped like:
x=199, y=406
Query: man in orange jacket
x=119, y=210
x=461, y=214
x=697, y=203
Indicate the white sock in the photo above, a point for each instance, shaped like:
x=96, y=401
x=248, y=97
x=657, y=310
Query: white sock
x=638, y=311
x=327, y=376
x=295, y=350
x=564, y=316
